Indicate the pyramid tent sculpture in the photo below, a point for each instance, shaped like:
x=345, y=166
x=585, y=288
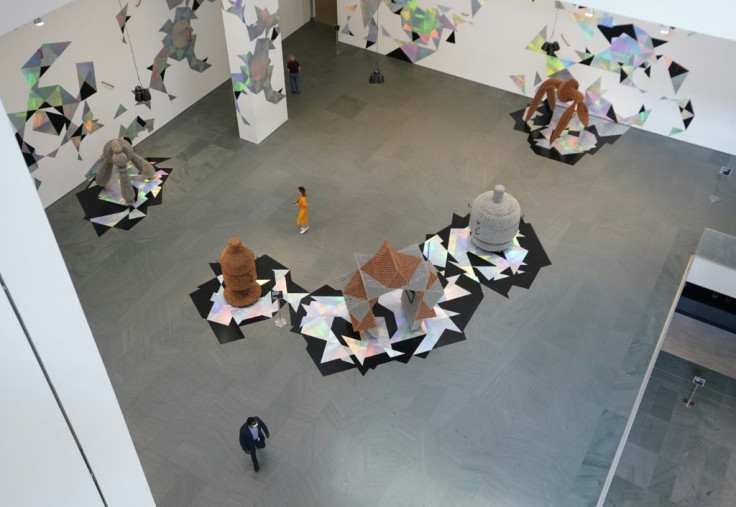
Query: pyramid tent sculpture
x=388, y=270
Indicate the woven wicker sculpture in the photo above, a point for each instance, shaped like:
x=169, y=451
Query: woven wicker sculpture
x=239, y=274
x=567, y=91
x=385, y=271
x=494, y=220
x=117, y=153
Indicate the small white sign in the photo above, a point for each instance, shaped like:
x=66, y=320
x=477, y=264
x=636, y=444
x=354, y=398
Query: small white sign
x=699, y=381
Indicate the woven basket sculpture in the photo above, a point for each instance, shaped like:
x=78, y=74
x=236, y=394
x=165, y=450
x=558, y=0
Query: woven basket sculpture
x=239, y=273
x=116, y=154
x=494, y=220
x=387, y=270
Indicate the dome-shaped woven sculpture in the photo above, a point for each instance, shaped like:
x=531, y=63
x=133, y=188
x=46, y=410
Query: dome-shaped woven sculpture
x=494, y=220
x=239, y=273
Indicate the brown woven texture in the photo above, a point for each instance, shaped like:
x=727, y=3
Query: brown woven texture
x=382, y=266
x=237, y=258
x=424, y=312
x=391, y=268
x=368, y=322
x=432, y=278
x=355, y=287
x=239, y=274
x=408, y=264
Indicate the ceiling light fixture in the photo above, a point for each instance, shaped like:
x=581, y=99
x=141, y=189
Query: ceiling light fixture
x=664, y=29
x=38, y=22
x=589, y=13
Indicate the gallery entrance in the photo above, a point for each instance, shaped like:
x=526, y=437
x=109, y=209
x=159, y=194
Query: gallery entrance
x=325, y=11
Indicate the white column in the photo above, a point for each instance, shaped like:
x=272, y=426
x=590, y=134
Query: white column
x=253, y=37
x=37, y=279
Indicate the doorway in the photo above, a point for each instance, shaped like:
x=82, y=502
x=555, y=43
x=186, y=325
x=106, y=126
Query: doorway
x=325, y=11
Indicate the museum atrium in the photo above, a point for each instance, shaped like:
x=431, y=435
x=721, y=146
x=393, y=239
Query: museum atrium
x=368, y=253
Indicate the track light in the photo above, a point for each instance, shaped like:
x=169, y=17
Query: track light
x=589, y=13
x=38, y=22
x=664, y=29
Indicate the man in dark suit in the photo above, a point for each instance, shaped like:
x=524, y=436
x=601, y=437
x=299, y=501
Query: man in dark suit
x=253, y=435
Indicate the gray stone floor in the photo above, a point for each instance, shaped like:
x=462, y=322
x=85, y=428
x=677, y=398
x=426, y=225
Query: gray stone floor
x=527, y=412
x=678, y=456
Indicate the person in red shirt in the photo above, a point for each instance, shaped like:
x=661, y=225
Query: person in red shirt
x=294, y=78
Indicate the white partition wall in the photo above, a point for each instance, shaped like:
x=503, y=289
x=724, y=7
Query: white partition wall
x=40, y=463
x=253, y=36
x=293, y=14
x=714, y=263
x=36, y=278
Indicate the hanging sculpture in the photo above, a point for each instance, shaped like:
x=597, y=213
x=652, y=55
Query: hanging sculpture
x=116, y=154
x=384, y=272
x=567, y=91
x=239, y=274
x=494, y=220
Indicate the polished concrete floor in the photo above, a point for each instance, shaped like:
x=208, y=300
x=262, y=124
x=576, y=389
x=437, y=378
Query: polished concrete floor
x=679, y=456
x=527, y=412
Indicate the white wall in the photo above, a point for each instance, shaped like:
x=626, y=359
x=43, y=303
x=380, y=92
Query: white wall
x=40, y=463
x=34, y=272
x=713, y=276
x=491, y=46
x=94, y=34
x=257, y=67
x=92, y=28
x=294, y=14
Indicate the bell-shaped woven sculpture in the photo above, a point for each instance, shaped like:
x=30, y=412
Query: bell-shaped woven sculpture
x=494, y=220
x=239, y=273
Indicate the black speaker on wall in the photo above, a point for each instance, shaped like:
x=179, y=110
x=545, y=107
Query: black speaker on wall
x=142, y=94
x=551, y=48
x=376, y=77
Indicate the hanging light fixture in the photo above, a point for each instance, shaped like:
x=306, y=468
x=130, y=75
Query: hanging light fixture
x=550, y=46
x=142, y=95
x=376, y=76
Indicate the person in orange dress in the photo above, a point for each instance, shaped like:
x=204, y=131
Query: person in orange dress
x=301, y=201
